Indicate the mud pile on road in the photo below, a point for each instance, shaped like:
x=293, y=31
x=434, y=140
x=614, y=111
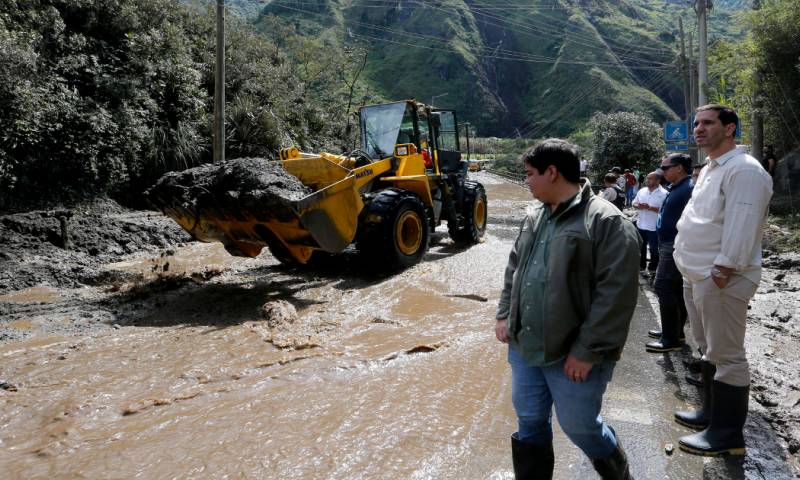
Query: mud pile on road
x=227, y=190
x=32, y=244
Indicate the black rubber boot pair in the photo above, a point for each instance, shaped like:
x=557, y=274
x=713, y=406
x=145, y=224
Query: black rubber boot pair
x=670, y=323
x=700, y=418
x=531, y=461
x=614, y=466
x=724, y=434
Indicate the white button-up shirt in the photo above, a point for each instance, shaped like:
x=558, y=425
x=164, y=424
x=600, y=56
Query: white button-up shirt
x=724, y=221
x=647, y=218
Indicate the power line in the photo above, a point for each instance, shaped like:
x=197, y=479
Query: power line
x=501, y=55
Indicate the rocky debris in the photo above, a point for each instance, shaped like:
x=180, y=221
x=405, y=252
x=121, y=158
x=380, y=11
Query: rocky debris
x=227, y=189
x=278, y=313
x=282, y=328
x=10, y=387
x=783, y=261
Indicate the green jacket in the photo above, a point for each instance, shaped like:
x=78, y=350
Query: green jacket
x=592, y=280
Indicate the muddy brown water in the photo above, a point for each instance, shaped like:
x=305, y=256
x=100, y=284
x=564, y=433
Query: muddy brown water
x=391, y=378
x=403, y=383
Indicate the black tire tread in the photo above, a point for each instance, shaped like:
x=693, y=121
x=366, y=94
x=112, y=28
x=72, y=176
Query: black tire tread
x=375, y=240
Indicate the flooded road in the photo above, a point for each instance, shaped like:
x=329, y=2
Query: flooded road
x=390, y=378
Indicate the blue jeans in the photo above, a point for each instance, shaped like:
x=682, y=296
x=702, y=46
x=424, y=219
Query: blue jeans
x=534, y=391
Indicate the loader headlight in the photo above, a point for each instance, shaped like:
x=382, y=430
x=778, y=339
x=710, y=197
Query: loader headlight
x=401, y=151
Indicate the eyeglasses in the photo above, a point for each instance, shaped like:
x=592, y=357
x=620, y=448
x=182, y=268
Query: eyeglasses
x=667, y=167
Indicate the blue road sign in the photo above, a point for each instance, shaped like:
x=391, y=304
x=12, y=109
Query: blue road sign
x=676, y=132
x=677, y=147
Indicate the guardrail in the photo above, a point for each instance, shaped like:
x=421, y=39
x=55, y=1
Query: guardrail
x=517, y=178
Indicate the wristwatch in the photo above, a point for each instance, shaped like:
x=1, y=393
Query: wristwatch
x=718, y=273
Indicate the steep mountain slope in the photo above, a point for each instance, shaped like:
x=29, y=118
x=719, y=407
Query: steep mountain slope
x=510, y=67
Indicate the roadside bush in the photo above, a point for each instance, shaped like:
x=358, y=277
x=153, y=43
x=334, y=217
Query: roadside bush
x=623, y=140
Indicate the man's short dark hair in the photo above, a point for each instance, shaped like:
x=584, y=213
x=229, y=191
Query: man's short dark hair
x=610, y=178
x=565, y=156
x=680, y=159
x=726, y=114
x=616, y=170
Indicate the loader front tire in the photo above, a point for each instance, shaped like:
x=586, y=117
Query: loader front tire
x=474, y=213
x=393, y=230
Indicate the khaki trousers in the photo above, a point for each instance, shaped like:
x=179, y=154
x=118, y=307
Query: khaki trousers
x=718, y=317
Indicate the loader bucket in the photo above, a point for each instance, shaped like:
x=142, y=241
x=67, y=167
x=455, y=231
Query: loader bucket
x=315, y=208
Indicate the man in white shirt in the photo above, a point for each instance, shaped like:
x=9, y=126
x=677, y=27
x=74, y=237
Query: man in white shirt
x=718, y=251
x=647, y=203
x=584, y=167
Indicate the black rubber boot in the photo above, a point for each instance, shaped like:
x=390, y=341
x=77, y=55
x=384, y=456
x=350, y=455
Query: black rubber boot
x=699, y=419
x=669, y=331
x=724, y=434
x=692, y=380
x=614, y=466
x=532, y=462
x=692, y=364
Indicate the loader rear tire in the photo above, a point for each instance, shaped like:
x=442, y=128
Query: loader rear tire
x=474, y=212
x=393, y=230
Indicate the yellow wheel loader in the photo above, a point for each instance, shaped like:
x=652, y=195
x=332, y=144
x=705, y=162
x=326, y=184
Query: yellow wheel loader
x=386, y=197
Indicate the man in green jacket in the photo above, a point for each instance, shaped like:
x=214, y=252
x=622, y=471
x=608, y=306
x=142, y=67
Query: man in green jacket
x=570, y=290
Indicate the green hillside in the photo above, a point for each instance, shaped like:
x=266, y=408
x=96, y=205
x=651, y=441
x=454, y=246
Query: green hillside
x=510, y=67
x=533, y=69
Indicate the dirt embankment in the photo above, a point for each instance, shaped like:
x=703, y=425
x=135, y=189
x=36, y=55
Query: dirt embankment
x=33, y=244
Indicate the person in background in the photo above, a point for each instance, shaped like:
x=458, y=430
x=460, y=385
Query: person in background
x=718, y=251
x=647, y=203
x=668, y=283
x=617, y=171
x=696, y=168
x=769, y=162
x=630, y=186
x=612, y=192
x=584, y=166
x=569, y=292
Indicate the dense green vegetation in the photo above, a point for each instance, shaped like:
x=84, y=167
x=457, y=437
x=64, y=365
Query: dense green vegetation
x=762, y=72
x=103, y=97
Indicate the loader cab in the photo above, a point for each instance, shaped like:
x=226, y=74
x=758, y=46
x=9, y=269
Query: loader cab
x=434, y=132
x=384, y=126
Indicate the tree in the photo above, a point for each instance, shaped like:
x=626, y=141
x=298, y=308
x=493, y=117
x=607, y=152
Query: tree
x=762, y=72
x=623, y=140
x=776, y=39
x=102, y=98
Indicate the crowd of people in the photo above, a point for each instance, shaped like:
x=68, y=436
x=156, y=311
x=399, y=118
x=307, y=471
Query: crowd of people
x=572, y=279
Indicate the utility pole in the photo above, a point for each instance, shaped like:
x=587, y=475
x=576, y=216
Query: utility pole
x=757, y=145
x=692, y=76
x=702, y=65
x=687, y=101
x=219, y=86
